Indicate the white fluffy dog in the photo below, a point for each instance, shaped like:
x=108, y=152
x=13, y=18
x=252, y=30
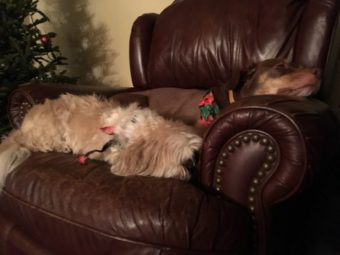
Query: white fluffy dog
x=137, y=140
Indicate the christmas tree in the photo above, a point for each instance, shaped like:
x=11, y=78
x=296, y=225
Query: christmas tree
x=26, y=54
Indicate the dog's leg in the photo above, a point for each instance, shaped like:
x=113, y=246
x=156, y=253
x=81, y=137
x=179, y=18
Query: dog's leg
x=11, y=155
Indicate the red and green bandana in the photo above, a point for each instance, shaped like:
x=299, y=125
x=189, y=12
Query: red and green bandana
x=208, y=109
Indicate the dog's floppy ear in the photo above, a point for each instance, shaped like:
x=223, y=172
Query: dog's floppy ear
x=220, y=96
x=245, y=75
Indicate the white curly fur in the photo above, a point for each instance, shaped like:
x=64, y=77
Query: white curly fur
x=150, y=144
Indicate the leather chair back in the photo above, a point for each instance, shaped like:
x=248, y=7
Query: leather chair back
x=205, y=43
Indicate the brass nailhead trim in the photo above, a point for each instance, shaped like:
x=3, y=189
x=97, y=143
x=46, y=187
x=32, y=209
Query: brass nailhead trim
x=237, y=143
x=270, y=158
x=264, y=170
x=270, y=149
x=264, y=141
x=246, y=139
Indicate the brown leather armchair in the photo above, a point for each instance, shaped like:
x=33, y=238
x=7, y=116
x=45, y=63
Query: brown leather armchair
x=259, y=163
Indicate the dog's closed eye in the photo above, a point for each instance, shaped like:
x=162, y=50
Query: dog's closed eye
x=281, y=66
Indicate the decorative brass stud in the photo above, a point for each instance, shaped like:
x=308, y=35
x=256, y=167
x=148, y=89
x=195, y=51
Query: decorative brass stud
x=264, y=141
x=237, y=143
x=245, y=139
x=224, y=155
x=270, y=158
x=218, y=170
x=270, y=149
x=230, y=148
x=266, y=166
x=255, y=138
x=221, y=162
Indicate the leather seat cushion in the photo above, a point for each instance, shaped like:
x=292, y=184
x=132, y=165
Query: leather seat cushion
x=74, y=209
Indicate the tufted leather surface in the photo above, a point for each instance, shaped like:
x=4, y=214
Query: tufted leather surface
x=76, y=209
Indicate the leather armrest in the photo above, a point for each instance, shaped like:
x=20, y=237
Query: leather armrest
x=140, y=42
x=286, y=138
x=27, y=95
x=263, y=149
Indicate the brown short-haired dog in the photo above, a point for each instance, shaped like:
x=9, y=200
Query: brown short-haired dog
x=276, y=76
x=273, y=76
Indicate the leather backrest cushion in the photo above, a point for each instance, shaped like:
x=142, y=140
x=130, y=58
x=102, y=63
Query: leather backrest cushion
x=205, y=43
x=175, y=103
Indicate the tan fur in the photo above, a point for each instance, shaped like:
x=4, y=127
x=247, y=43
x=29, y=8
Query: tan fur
x=150, y=144
x=274, y=85
x=277, y=76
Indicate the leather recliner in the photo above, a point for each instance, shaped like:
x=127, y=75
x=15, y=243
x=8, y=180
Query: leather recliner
x=260, y=161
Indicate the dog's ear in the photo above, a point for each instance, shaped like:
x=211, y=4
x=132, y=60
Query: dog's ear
x=246, y=74
x=220, y=96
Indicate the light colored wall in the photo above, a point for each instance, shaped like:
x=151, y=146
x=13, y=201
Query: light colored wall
x=94, y=35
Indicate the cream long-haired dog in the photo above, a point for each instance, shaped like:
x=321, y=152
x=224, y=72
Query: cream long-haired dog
x=137, y=141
